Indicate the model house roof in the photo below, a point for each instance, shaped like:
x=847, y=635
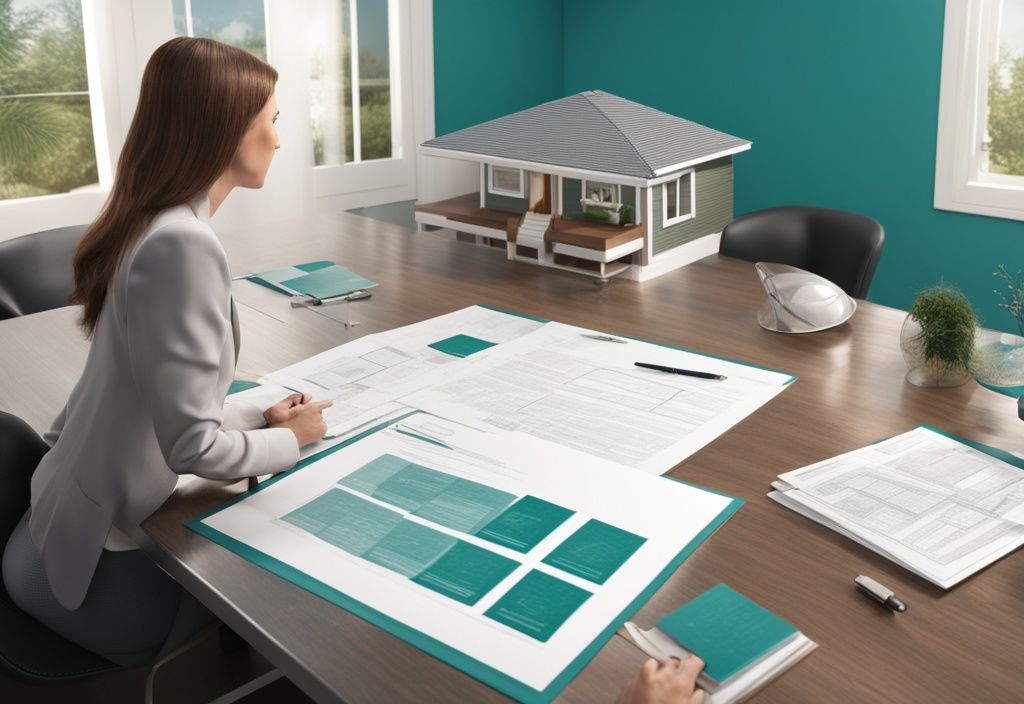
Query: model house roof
x=594, y=131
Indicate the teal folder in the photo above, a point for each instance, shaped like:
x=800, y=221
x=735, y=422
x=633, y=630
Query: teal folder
x=321, y=279
x=726, y=630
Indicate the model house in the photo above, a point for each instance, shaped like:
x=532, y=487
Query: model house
x=594, y=183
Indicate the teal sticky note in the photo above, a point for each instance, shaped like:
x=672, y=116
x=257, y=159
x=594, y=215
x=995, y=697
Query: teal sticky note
x=465, y=573
x=538, y=605
x=726, y=630
x=465, y=506
x=595, y=551
x=409, y=548
x=461, y=345
x=345, y=520
x=328, y=282
x=525, y=523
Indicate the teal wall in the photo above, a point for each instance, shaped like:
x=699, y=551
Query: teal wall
x=494, y=57
x=840, y=100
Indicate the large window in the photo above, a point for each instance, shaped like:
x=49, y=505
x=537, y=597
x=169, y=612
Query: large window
x=46, y=135
x=351, y=99
x=677, y=199
x=600, y=192
x=980, y=150
x=240, y=23
x=506, y=182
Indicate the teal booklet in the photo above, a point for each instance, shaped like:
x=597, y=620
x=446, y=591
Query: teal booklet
x=321, y=280
x=726, y=630
x=743, y=645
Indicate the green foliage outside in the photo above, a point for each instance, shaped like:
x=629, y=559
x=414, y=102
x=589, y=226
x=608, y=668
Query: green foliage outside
x=46, y=143
x=1006, y=117
x=947, y=325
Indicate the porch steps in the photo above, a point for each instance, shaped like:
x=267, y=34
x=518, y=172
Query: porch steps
x=531, y=233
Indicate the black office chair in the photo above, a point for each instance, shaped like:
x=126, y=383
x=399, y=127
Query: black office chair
x=841, y=246
x=31, y=652
x=28, y=650
x=36, y=271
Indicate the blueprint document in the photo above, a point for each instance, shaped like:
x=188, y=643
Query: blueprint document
x=365, y=377
x=559, y=385
x=932, y=504
x=493, y=544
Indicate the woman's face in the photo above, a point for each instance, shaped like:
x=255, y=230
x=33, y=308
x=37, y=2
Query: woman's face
x=252, y=160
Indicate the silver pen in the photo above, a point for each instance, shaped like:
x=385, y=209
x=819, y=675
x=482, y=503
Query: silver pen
x=883, y=595
x=603, y=338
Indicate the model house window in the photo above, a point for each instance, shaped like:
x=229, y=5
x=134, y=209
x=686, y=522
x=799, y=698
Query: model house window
x=351, y=102
x=601, y=192
x=46, y=127
x=506, y=182
x=677, y=199
x=240, y=23
x=980, y=149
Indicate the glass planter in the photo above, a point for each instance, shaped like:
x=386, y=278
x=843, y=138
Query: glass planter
x=922, y=371
x=998, y=361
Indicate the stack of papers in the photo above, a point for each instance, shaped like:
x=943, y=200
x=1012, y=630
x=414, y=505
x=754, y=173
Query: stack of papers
x=938, y=505
x=743, y=645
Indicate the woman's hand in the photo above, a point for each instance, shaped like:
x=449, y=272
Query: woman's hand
x=301, y=415
x=669, y=682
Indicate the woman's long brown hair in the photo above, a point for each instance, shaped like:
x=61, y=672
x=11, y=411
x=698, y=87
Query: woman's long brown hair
x=197, y=100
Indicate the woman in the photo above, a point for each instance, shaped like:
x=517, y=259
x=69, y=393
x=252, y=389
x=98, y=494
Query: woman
x=153, y=282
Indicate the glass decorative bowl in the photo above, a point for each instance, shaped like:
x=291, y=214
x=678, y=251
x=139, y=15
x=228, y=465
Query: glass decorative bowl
x=922, y=371
x=998, y=361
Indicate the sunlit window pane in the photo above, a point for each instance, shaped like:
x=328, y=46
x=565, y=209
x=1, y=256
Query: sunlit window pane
x=239, y=23
x=342, y=134
x=374, y=79
x=46, y=140
x=1006, y=94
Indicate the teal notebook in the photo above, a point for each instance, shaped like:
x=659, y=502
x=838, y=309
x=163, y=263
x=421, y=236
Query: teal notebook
x=726, y=630
x=321, y=279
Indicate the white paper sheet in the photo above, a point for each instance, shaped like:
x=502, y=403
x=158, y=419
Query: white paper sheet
x=926, y=501
x=667, y=514
x=365, y=377
x=558, y=385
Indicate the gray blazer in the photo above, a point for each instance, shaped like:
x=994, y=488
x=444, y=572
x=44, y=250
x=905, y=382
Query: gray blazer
x=150, y=402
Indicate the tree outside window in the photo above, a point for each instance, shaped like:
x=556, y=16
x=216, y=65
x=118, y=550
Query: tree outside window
x=46, y=138
x=1006, y=94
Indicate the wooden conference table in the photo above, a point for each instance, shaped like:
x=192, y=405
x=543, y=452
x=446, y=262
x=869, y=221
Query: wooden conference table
x=960, y=645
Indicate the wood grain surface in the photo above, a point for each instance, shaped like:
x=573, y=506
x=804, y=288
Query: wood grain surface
x=958, y=646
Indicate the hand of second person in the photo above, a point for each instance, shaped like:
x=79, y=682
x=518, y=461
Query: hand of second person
x=669, y=682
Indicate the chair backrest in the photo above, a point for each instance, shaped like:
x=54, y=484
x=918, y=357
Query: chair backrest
x=841, y=246
x=36, y=271
x=20, y=451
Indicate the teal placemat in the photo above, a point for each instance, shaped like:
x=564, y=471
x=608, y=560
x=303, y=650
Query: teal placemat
x=726, y=630
x=461, y=345
x=241, y=385
x=488, y=675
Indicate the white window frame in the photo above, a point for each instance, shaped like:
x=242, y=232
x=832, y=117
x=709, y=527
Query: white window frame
x=665, y=220
x=497, y=190
x=618, y=190
x=969, y=46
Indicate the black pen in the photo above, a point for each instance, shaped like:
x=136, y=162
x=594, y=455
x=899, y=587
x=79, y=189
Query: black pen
x=684, y=372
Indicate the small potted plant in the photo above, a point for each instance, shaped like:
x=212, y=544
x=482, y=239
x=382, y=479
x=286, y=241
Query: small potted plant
x=626, y=214
x=937, y=338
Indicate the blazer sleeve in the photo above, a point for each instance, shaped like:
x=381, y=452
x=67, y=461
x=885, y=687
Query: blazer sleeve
x=242, y=415
x=178, y=321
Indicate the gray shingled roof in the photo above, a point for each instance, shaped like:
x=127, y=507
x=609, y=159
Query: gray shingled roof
x=592, y=130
